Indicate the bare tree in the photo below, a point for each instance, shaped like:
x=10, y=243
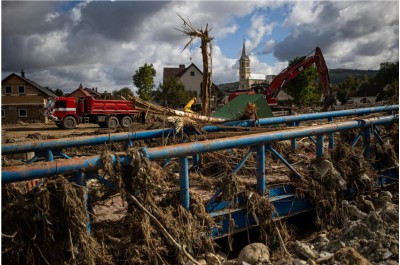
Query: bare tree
x=206, y=51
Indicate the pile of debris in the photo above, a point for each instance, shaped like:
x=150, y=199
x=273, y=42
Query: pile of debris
x=48, y=225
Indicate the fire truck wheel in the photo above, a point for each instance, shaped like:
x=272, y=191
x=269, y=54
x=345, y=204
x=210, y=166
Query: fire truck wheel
x=112, y=122
x=69, y=122
x=126, y=122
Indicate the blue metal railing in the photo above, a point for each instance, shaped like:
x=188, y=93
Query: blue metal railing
x=294, y=120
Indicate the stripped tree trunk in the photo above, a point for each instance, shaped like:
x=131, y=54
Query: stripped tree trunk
x=193, y=33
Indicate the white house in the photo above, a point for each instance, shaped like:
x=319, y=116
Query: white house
x=191, y=77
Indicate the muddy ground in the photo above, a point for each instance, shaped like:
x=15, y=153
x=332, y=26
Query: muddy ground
x=46, y=225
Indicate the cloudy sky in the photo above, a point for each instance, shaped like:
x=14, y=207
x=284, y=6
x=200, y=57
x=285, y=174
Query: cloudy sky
x=102, y=43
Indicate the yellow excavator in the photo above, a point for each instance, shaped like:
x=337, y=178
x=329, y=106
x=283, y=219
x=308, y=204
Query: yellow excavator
x=189, y=105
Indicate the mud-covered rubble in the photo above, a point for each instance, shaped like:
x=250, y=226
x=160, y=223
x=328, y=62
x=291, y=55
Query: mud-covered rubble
x=369, y=235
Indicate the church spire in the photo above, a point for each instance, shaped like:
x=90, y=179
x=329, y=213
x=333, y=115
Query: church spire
x=244, y=69
x=244, y=55
x=244, y=49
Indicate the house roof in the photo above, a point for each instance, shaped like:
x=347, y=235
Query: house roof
x=366, y=90
x=32, y=83
x=172, y=72
x=178, y=72
x=89, y=92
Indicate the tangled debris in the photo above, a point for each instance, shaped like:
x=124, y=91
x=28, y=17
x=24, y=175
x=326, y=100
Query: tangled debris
x=48, y=225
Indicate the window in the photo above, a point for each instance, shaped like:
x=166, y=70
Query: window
x=191, y=73
x=21, y=90
x=3, y=113
x=22, y=113
x=61, y=104
x=8, y=90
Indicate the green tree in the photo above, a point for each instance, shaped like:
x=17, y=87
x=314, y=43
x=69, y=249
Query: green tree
x=59, y=92
x=351, y=83
x=172, y=93
x=125, y=92
x=303, y=88
x=143, y=79
x=388, y=72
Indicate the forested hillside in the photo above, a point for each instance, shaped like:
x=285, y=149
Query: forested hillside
x=338, y=75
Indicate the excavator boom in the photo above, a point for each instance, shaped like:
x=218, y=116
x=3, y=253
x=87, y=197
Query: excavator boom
x=292, y=71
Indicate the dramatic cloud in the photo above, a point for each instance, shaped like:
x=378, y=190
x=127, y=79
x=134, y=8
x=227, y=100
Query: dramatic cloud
x=101, y=44
x=351, y=34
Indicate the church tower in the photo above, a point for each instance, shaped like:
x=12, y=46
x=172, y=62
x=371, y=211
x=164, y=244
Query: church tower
x=244, y=70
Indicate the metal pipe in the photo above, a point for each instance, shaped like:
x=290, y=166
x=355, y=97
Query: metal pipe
x=367, y=142
x=49, y=155
x=48, y=169
x=196, y=162
x=331, y=136
x=293, y=142
x=184, y=182
x=259, y=138
x=313, y=116
x=142, y=135
x=241, y=163
x=81, y=141
x=260, y=172
x=284, y=161
x=92, y=163
x=320, y=146
x=355, y=141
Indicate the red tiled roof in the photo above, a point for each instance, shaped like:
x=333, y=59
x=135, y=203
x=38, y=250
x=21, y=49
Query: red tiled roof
x=89, y=92
x=172, y=72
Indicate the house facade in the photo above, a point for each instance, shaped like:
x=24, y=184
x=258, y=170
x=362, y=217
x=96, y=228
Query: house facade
x=191, y=77
x=23, y=99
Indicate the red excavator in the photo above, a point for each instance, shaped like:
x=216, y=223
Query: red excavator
x=291, y=72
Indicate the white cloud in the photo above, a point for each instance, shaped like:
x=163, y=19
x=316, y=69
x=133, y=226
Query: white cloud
x=304, y=12
x=259, y=28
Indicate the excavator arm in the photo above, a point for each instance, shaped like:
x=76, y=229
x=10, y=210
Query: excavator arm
x=189, y=105
x=291, y=72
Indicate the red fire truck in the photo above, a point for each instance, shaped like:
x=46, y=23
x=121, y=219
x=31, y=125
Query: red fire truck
x=68, y=112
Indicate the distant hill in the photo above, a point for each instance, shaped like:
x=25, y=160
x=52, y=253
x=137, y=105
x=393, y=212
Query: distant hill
x=337, y=76
x=228, y=86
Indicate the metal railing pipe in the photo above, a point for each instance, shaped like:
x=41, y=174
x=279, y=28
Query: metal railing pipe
x=313, y=116
x=260, y=138
x=59, y=144
x=92, y=163
x=48, y=169
x=82, y=141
